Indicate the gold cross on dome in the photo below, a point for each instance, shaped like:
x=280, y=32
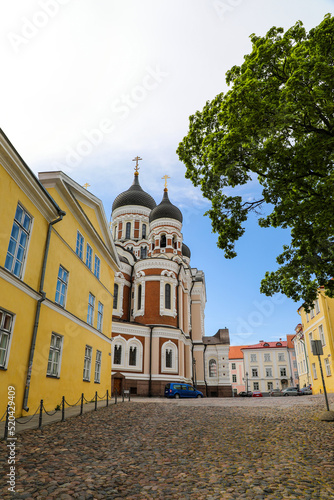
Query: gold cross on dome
x=137, y=159
x=86, y=185
x=165, y=177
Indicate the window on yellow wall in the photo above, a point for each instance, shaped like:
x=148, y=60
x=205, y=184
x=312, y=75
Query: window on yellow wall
x=99, y=316
x=91, y=307
x=322, y=335
x=97, y=374
x=53, y=369
x=61, y=290
x=6, y=325
x=79, y=245
x=97, y=267
x=328, y=367
x=87, y=362
x=18, y=242
x=89, y=254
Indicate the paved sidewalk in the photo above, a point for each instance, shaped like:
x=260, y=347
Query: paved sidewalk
x=209, y=449
x=32, y=422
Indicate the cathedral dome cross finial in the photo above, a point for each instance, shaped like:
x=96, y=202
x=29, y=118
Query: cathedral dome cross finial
x=165, y=177
x=137, y=159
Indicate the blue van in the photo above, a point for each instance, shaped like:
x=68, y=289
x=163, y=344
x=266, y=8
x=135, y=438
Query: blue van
x=177, y=390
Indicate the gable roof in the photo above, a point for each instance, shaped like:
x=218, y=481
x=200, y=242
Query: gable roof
x=236, y=352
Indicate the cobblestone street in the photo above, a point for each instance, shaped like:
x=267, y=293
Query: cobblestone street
x=263, y=448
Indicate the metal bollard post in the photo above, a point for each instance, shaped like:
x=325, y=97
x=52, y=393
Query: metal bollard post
x=115, y=396
x=6, y=424
x=129, y=395
x=81, y=405
x=107, y=397
x=95, y=400
x=63, y=409
x=123, y=396
x=40, y=414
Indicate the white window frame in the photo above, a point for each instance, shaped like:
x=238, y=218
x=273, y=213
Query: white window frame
x=53, y=352
x=62, y=286
x=97, y=371
x=79, y=245
x=253, y=358
x=281, y=370
x=168, y=278
x=327, y=367
x=119, y=341
x=89, y=256
x=87, y=363
x=267, y=357
x=322, y=335
x=139, y=282
x=234, y=378
x=99, y=325
x=281, y=356
x=269, y=372
x=91, y=309
x=255, y=372
x=97, y=266
x=21, y=230
x=175, y=357
x=256, y=386
x=233, y=366
x=314, y=370
x=6, y=330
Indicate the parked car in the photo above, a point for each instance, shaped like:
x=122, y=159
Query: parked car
x=291, y=391
x=177, y=390
x=276, y=393
x=257, y=394
x=245, y=394
x=305, y=391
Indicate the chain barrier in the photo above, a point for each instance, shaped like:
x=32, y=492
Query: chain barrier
x=75, y=404
x=31, y=417
x=41, y=407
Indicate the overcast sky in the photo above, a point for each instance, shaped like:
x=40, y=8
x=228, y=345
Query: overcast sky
x=88, y=85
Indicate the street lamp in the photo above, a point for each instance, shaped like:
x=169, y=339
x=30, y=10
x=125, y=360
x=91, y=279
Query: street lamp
x=246, y=374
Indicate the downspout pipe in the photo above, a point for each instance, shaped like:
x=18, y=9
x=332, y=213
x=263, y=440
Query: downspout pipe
x=38, y=310
x=206, y=385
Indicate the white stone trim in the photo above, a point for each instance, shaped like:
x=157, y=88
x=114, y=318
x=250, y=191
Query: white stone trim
x=156, y=263
x=13, y=280
x=173, y=283
x=141, y=311
x=166, y=223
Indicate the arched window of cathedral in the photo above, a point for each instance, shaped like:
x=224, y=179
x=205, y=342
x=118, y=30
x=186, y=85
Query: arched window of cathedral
x=115, y=235
x=132, y=355
x=117, y=354
x=115, y=296
x=212, y=368
x=169, y=358
x=153, y=245
x=128, y=230
x=143, y=252
x=163, y=241
x=139, y=297
x=167, y=296
x=143, y=231
x=174, y=243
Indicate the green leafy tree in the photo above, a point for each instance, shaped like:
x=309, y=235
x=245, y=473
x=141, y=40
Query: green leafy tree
x=276, y=125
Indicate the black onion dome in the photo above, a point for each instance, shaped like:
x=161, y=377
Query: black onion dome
x=135, y=195
x=186, y=250
x=165, y=210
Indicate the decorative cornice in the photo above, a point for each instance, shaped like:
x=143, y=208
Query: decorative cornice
x=166, y=223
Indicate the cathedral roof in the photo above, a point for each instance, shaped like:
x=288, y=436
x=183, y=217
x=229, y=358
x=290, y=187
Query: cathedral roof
x=135, y=195
x=165, y=210
x=185, y=250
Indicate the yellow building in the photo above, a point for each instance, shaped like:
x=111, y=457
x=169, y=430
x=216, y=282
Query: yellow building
x=318, y=325
x=57, y=265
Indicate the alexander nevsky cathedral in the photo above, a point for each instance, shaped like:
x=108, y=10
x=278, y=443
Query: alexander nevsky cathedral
x=159, y=302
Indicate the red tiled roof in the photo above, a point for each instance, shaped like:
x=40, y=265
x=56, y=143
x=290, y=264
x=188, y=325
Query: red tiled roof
x=235, y=352
x=267, y=345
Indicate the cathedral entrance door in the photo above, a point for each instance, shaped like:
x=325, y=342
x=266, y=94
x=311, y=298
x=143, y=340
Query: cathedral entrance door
x=118, y=385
